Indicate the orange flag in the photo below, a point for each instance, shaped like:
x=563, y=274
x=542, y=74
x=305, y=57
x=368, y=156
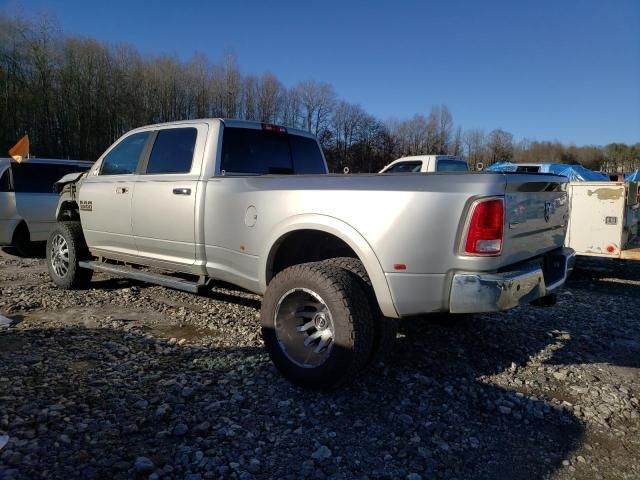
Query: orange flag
x=20, y=150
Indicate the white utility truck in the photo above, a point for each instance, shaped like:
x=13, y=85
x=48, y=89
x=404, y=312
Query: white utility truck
x=604, y=219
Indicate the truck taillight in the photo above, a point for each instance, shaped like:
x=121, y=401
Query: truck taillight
x=484, y=234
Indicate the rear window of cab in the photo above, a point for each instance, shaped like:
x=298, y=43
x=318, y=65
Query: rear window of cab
x=451, y=166
x=247, y=151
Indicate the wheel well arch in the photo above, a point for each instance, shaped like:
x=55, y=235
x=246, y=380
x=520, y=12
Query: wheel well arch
x=340, y=240
x=21, y=224
x=303, y=246
x=68, y=210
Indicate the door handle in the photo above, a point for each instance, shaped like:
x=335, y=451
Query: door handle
x=182, y=191
x=122, y=190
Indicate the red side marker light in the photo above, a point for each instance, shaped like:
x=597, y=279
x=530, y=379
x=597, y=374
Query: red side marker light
x=611, y=249
x=399, y=266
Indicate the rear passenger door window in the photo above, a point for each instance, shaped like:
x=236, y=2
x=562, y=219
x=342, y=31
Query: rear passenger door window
x=172, y=151
x=124, y=157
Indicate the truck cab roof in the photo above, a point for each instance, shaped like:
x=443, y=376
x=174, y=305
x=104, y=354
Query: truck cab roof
x=228, y=122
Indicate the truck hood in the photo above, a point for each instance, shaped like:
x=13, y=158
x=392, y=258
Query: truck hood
x=67, y=179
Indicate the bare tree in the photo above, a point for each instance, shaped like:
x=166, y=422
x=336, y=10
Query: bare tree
x=474, y=141
x=269, y=96
x=500, y=146
x=346, y=120
x=444, y=122
x=317, y=100
x=250, y=103
x=291, y=109
x=198, y=76
x=455, y=145
x=226, y=87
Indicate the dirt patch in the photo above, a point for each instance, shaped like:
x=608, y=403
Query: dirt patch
x=181, y=332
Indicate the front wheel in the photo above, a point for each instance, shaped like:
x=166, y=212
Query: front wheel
x=65, y=248
x=317, y=325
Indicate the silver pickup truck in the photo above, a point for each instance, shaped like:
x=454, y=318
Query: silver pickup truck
x=336, y=257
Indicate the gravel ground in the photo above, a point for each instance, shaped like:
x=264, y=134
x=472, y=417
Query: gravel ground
x=127, y=380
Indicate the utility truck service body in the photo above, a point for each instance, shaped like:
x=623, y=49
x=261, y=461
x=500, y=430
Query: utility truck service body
x=604, y=219
x=337, y=257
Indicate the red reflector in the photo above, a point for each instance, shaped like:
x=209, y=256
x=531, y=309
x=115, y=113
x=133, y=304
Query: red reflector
x=273, y=128
x=399, y=266
x=484, y=236
x=611, y=249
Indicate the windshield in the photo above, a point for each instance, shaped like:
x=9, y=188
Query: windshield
x=452, y=166
x=404, y=167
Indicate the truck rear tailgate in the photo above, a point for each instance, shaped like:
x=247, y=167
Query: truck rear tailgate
x=536, y=215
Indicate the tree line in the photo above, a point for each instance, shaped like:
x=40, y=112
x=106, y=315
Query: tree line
x=74, y=96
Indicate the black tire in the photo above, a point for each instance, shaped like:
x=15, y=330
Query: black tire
x=22, y=241
x=73, y=277
x=444, y=319
x=385, y=329
x=349, y=313
x=547, y=301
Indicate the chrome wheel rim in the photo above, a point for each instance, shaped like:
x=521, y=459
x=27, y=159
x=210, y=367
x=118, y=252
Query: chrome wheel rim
x=304, y=328
x=59, y=255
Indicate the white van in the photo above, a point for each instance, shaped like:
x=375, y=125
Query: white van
x=427, y=163
x=27, y=199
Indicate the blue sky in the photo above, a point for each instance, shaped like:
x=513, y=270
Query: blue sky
x=567, y=70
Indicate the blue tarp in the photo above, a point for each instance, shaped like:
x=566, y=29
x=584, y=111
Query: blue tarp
x=502, y=167
x=575, y=173
x=633, y=176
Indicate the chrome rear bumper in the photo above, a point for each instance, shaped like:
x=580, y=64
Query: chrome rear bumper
x=474, y=292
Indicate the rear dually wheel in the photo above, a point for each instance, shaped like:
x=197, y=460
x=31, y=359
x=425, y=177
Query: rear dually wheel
x=317, y=325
